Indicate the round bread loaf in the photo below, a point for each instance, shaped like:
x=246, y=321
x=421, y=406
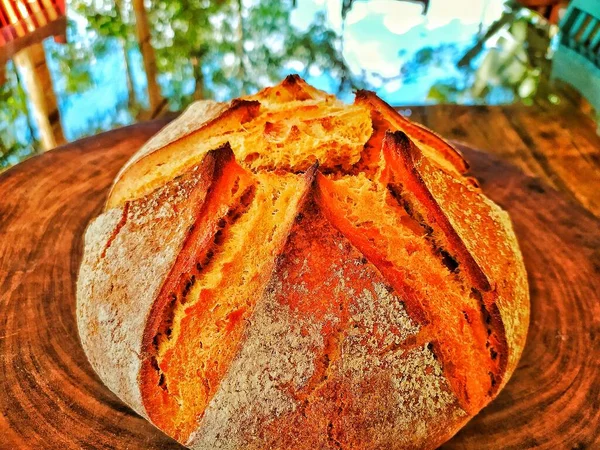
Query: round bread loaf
x=290, y=272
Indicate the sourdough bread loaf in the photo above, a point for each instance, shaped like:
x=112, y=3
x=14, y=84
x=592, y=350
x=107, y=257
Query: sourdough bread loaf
x=286, y=271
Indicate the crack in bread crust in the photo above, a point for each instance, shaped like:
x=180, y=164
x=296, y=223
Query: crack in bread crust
x=412, y=269
x=121, y=296
x=315, y=359
x=438, y=149
x=204, y=312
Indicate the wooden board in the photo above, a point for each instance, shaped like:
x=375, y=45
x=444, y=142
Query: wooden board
x=50, y=398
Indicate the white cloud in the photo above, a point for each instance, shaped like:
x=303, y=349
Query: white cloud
x=302, y=16
x=295, y=66
x=469, y=12
x=358, y=12
x=378, y=52
x=334, y=14
x=399, y=16
x=314, y=71
x=400, y=23
x=392, y=7
x=373, y=80
x=393, y=85
x=372, y=56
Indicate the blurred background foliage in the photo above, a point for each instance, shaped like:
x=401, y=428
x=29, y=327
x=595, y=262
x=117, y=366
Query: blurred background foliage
x=227, y=48
x=213, y=49
x=516, y=66
x=14, y=146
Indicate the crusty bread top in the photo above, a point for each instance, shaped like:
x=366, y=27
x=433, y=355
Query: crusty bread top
x=193, y=118
x=289, y=126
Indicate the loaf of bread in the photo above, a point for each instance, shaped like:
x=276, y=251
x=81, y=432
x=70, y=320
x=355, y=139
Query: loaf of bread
x=286, y=271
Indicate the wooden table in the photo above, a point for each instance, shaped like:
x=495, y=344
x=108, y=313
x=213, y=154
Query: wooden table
x=557, y=144
x=50, y=397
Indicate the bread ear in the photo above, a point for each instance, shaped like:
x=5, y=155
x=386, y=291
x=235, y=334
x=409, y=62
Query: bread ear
x=402, y=161
x=198, y=320
x=203, y=118
x=155, y=167
x=193, y=118
x=437, y=148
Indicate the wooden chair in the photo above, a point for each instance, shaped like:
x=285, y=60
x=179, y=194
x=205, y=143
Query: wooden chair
x=577, y=59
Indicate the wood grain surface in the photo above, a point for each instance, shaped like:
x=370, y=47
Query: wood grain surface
x=50, y=398
x=556, y=143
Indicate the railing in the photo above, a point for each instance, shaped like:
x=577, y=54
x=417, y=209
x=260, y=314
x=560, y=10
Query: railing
x=20, y=17
x=26, y=22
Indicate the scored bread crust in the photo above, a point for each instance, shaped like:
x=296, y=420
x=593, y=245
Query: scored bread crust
x=128, y=254
x=285, y=271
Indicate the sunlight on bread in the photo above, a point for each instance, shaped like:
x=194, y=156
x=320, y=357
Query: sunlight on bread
x=288, y=271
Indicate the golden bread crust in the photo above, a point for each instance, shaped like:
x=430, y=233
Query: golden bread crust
x=374, y=383
x=128, y=253
x=286, y=271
